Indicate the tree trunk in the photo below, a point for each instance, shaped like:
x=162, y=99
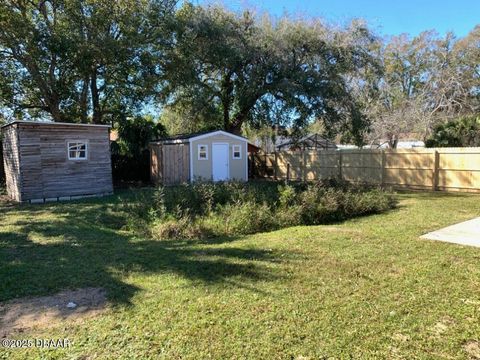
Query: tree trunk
x=227, y=87
x=83, y=101
x=54, y=110
x=235, y=127
x=50, y=98
x=393, y=141
x=97, y=113
x=226, y=114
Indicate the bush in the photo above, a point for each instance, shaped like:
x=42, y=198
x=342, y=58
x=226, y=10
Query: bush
x=247, y=218
x=201, y=210
x=456, y=133
x=180, y=229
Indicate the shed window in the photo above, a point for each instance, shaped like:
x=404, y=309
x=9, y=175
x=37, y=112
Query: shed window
x=237, y=151
x=77, y=150
x=202, y=152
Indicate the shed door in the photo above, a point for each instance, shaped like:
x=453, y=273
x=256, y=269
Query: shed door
x=220, y=166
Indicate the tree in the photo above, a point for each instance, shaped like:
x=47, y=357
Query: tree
x=136, y=132
x=180, y=118
x=245, y=69
x=77, y=60
x=130, y=155
x=462, y=132
x=425, y=80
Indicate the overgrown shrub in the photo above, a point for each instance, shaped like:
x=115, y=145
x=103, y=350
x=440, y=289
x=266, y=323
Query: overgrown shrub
x=247, y=218
x=178, y=229
x=201, y=210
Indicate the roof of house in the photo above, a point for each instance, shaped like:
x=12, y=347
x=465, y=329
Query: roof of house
x=252, y=148
x=52, y=123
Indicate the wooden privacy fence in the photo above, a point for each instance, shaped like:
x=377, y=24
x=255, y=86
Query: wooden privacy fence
x=448, y=169
x=170, y=164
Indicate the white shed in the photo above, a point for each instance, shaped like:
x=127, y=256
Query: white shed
x=211, y=156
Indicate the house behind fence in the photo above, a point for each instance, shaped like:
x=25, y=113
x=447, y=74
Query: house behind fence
x=447, y=169
x=46, y=161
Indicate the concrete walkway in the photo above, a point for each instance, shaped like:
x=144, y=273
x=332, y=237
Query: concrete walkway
x=465, y=233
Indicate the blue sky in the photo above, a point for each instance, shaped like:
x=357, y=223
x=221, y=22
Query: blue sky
x=387, y=17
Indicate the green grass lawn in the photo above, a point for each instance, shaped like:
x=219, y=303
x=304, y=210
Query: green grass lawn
x=366, y=288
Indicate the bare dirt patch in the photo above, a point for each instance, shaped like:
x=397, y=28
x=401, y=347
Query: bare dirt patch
x=48, y=311
x=5, y=201
x=472, y=348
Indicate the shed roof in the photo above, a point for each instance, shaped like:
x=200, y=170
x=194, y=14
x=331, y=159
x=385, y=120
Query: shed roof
x=28, y=122
x=183, y=138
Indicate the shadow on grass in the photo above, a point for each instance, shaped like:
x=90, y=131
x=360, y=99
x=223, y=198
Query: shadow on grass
x=77, y=246
x=431, y=195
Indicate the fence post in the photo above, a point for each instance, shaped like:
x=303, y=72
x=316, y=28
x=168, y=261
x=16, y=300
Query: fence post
x=384, y=162
x=265, y=173
x=340, y=161
x=304, y=165
x=252, y=167
x=436, y=164
x=275, y=165
x=288, y=172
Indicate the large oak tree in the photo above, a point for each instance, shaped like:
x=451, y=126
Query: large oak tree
x=77, y=60
x=241, y=68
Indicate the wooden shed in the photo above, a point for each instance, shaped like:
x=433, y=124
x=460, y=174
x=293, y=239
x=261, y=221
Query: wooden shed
x=48, y=161
x=212, y=156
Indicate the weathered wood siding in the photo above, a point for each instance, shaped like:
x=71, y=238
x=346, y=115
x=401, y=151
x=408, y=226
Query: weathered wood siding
x=2, y=169
x=156, y=165
x=45, y=172
x=170, y=163
x=11, y=161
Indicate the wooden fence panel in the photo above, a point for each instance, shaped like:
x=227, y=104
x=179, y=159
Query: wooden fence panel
x=459, y=169
x=174, y=164
x=455, y=169
x=362, y=166
x=321, y=165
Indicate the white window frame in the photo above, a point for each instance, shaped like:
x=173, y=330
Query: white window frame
x=70, y=143
x=239, y=152
x=206, y=152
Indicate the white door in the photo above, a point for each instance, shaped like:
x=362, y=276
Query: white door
x=220, y=162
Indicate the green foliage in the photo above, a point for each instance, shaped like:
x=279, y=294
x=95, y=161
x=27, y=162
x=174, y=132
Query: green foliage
x=130, y=155
x=201, y=210
x=78, y=60
x=462, y=132
x=136, y=132
x=209, y=68
x=181, y=119
x=248, y=70
x=248, y=217
x=424, y=80
x=322, y=204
